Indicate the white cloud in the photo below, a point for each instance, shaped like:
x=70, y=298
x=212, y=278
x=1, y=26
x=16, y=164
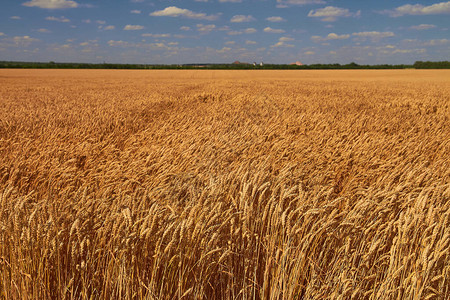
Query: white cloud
x=160, y=46
x=133, y=27
x=51, y=4
x=249, y=30
x=286, y=39
x=113, y=43
x=156, y=35
x=63, y=47
x=60, y=19
x=24, y=41
x=173, y=11
x=282, y=42
x=234, y=1
x=286, y=3
x=406, y=51
x=248, y=42
x=185, y=28
x=330, y=36
x=224, y=49
x=332, y=13
x=205, y=28
x=2, y=34
x=419, y=9
x=423, y=27
x=334, y=36
x=275, y=19
x=374, y=35
x=272, y=30
x=100, y=22
x=16, y=18
x=310, y=53
x=43, y=30
x=109, y=27
x=135, y=11
x=242, y=18
x=234, y=32
x=88, y=45
x=439, y=42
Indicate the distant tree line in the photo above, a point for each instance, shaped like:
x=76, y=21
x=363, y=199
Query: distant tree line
x=224, y=66
x=432, y=65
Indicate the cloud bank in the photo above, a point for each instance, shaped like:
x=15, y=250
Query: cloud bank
x=419, y=9
x=51, y=4
x=173, y=11
x=332, y=13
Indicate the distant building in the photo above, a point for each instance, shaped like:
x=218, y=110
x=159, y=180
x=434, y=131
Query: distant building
x=297, y=63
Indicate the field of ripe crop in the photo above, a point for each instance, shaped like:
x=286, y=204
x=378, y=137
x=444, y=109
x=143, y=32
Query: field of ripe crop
x=224, y=184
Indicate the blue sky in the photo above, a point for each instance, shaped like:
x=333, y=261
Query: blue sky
x=194, y=31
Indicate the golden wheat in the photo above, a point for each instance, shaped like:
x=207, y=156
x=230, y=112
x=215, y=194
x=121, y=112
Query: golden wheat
x=224, y=184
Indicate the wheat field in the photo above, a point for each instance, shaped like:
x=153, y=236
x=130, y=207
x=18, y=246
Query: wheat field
x=224, y=184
